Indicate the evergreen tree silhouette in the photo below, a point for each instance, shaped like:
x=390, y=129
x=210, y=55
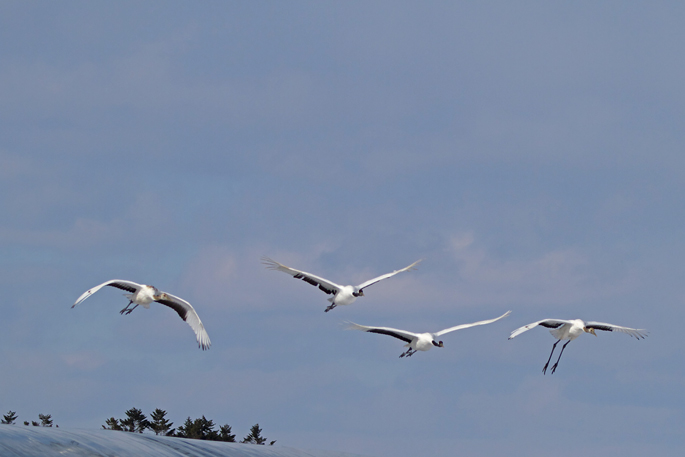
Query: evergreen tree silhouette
x=159, y=424
x=9, y=418
x=255, y=436
x=112, y=424
x=135, y=421
x=225, y=434
x=45, y=420
x=198, y=429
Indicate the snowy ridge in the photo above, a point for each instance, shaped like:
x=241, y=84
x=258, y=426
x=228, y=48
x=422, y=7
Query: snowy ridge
x=28, y=441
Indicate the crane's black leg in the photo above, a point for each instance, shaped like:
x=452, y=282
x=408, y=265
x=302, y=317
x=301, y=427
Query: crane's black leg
x=333, y=305
x=126, y=309
x=554, y=367
x=544, y=370
x=131, y=310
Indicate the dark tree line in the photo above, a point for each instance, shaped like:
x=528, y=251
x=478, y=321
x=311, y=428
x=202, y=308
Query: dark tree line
x=45, y=419
x=199, y=429
x=136, y=422
x=203, y=429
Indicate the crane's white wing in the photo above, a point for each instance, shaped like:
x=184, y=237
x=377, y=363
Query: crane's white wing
x=637, y=333
x=323, y=284
x=188, y=314
x=387, y=275
x=128, y=286
x=549, y=323
x=399, y=334
x=459, y=327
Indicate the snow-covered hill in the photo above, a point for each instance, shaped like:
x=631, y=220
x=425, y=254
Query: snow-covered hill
x=23, y=441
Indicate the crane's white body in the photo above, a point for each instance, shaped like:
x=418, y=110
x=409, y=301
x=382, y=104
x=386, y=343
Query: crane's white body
x=346, y=295
x=143, y=297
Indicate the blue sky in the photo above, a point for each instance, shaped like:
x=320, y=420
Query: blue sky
x=530, y=152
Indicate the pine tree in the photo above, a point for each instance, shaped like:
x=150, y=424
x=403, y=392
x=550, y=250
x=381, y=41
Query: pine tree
x=9, y=418
x=111, y=424
x=199, y=429
x=207, y=429
x=185, y=430
x=160, y=425
x=255, y=436
x=45, y=420
x=225, y=434
x=135, y=421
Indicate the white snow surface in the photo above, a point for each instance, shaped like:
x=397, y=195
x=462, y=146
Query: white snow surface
x=27, y=441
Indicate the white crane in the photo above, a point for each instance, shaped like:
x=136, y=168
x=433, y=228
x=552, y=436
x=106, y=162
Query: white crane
x=342, y=295
x=144, y=295
x=571, y=329
x=418, y=341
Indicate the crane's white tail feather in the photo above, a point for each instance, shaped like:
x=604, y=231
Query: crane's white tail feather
x=272, y=264
x=352, y=326
x=413, y=265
